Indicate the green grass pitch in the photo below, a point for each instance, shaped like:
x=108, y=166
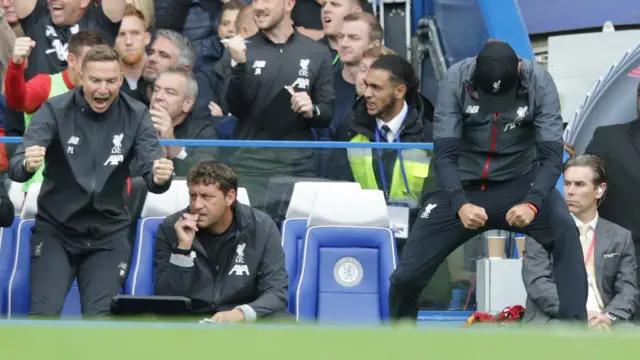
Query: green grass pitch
x=157, y=342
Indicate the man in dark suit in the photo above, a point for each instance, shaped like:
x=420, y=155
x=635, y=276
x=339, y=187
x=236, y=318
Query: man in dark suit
x=619, y=147
x=608, y=254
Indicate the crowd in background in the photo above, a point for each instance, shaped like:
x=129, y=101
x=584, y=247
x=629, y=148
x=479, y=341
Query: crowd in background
x=42, y=45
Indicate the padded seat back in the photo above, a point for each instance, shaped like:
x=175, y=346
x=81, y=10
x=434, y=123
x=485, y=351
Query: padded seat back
x=141, y=275
x=294, y=227
x=349, y=255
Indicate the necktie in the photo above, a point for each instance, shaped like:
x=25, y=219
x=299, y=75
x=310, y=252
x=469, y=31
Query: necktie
x=584, y=240
x=385, y=130
x=594, y=302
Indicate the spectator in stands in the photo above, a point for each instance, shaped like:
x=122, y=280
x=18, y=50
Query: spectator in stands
x=7, y=212
x=50, y=24
x=391, y=110
x=225, y=256
x=246, y=28
x=619, y=147
x=8, y=9
x=227, y=27
x=7, y=39
x=28, y=97
x=170, y=48
x=369, y=56
x=7, y=36
x=198, y=21
x=513, y=175
x=131, y=45
x=90, y=135
x=333, y=13
x=257, y=97
x=174, y=93
x=609, y=255
x=360, y=31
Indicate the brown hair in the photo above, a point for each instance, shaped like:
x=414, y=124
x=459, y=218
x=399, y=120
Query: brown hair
x=593, y=162
x=375, y=30
x=100, y=53
x=84, y=38
x=212, y=172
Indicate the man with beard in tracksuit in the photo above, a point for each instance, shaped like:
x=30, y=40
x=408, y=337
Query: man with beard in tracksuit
x=498, y=144
x=225, y=256
x=88, y=137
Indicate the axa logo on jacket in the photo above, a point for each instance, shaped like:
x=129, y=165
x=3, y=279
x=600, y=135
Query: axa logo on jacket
x=240, y=268
x=116, y=156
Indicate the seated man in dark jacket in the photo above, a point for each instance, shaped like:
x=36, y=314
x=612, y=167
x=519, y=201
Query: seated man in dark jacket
x=225, y=256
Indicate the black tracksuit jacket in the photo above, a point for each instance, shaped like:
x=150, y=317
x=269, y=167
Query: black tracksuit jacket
x=87, y=162
x=250, y=270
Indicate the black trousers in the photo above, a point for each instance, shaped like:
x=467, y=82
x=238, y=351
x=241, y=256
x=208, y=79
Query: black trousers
x=436, y=234
x=56, y=260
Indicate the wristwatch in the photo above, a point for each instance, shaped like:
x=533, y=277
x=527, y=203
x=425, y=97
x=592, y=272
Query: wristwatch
x=611, y=317
x=179, y=251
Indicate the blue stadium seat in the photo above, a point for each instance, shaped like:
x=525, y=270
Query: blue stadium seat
x=294, y=227
x=156, y=207
x=140, y=280
x=7, y=246
x=349, y=255
x=293, y=234
x=18, y=290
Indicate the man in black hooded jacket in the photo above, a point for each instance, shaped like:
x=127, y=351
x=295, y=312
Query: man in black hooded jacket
x=225, y=256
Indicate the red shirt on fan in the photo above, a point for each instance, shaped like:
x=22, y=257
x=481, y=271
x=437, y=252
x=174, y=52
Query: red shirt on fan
x=28, y=96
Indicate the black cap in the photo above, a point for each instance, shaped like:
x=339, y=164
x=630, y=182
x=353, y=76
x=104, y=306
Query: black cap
x=496, y=77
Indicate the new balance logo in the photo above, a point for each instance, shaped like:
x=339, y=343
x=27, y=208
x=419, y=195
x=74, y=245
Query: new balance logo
x=114, y=160
x=240, y=270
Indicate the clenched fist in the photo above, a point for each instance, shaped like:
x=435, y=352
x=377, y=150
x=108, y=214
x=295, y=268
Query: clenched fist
x=162, y=171
x=34, y=158
x=473, y=217
x=21, y=49
x=520, y=216
x=237, y=49
x=301, y=103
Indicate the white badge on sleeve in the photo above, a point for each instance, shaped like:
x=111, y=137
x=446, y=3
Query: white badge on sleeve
x=399, y=219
